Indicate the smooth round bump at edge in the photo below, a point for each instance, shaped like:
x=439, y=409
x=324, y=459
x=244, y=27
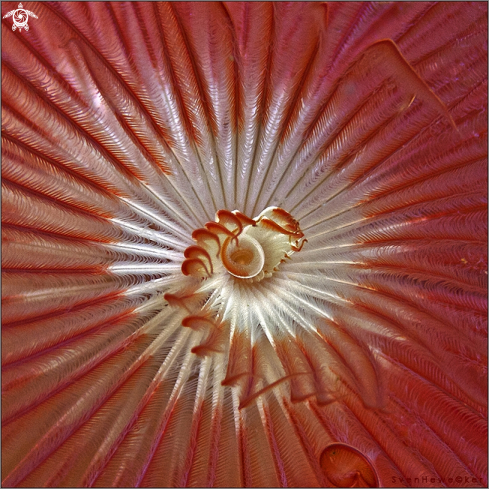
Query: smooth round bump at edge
x=346, y=466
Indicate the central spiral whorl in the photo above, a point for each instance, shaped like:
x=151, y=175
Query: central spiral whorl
x=244, y=258
x=237, y=248
x=248, y=249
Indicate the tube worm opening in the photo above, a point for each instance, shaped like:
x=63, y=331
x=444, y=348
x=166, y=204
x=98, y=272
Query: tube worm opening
x=345, y=466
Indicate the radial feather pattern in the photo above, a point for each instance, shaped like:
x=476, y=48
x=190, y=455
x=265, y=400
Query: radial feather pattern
x=245, y=244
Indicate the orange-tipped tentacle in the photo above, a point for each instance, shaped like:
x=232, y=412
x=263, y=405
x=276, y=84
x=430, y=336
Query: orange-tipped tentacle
x=196, y=268
x=198, y=322
x=199, y=253
x=208, y=240
x=283, y=218
x=298, y=369
x=297, y=247
x=184, y=300
x=213, y=343
x=245, y=220
x=273, y=226
x=218, y=229
x=230, y=221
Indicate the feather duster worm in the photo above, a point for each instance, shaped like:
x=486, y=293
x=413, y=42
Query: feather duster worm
x=327, y=327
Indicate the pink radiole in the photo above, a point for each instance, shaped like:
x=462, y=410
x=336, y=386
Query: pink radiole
x=245, y=244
